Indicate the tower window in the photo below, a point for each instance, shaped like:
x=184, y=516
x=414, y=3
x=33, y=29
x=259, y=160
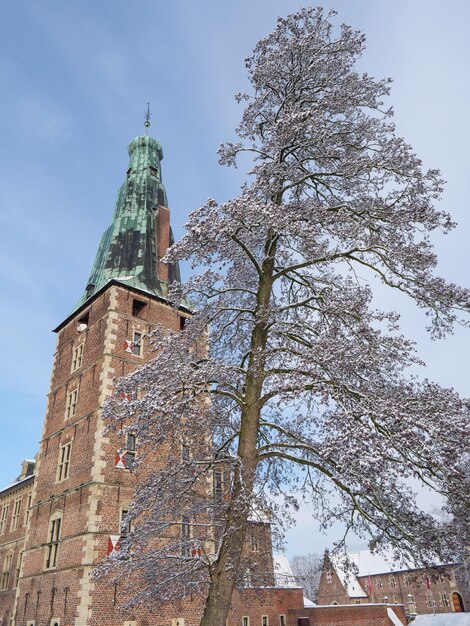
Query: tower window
x=137, y=344
x=71, y=404
x=63, y=468
x=77, y=357
x=124, y=524
x=218, y=485
x=153, y=171
x=53, y=543
x=138, y=307
x=185, y=535
x=131, y=449
x=182, y=322
x=185, y=452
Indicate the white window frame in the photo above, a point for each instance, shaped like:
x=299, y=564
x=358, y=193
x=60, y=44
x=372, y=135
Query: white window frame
x=137, y=347
x=77, y=357
x=71, y=403
x=444, y=598
x=130, y=450
x=7, y=563
x=4, y=518
x=15, y=517
x=28, y=507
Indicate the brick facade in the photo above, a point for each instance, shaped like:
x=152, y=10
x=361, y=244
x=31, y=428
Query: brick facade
x=419, y=591
x=14, y=517
x=82, y=491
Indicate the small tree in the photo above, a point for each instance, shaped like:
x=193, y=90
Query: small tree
x=307, y=571
x=301, y=385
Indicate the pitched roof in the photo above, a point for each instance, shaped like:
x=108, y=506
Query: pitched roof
x=366, y=564
x=283, y=574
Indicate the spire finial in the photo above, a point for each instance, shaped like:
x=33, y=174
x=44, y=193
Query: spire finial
x=148, y=115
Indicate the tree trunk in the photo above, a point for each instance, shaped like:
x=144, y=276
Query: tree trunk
x=226, y=569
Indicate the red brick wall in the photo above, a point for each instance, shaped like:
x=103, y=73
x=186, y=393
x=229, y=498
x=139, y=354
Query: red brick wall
x=331, y=589
x=352, y=615
x=397, y=586
x=272, y=602
x=12, y=543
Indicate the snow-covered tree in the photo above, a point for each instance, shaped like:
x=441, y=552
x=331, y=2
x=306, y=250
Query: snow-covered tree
x=307, y=571
x=288, y=382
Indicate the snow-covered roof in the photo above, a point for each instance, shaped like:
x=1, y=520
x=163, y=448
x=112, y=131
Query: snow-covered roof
x=283, y=574
x=348, y=578
x=308, y=603
x=17, y=483
x=444, y=619
x=369, y=564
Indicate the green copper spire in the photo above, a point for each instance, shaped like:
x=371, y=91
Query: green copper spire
x=131, y=248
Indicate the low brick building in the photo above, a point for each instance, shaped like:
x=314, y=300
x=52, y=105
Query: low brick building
x=377, y=580
x=15, y=502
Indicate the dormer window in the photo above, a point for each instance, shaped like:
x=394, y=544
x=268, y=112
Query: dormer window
x=153, y=171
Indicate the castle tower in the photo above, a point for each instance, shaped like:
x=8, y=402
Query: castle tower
x=83, y=485
x=58, y=523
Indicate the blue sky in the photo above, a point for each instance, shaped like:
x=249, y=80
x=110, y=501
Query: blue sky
x=75, y=78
